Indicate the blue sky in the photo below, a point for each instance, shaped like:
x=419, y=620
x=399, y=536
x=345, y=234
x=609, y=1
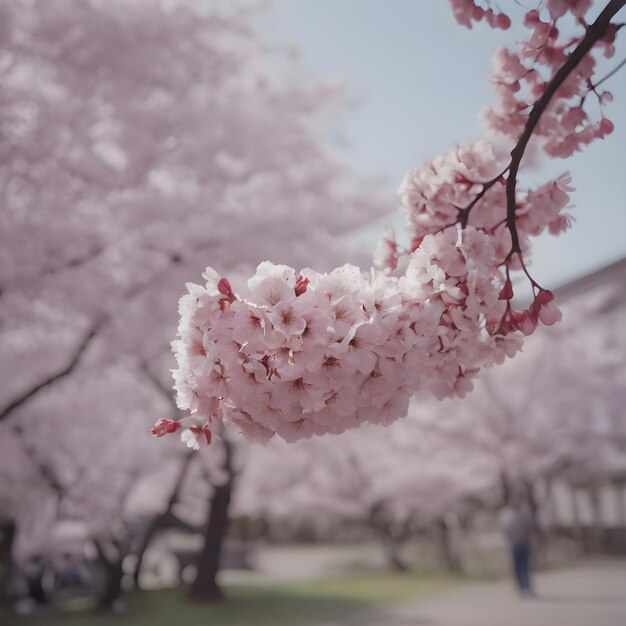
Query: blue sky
x=416, y=81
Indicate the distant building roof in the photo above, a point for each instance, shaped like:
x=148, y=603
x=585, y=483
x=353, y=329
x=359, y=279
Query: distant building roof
x=611, y=276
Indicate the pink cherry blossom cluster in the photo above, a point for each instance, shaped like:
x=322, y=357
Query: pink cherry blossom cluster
x=448, y=191
x=521, y=77
x=310, y=354
x=467, y=11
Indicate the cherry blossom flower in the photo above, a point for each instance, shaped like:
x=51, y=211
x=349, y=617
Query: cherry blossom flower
x=351, y=347
x=196, y=437
x=557, y=8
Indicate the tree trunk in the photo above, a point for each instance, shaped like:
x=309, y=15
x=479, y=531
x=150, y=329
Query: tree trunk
x=205, y=587
x=390, y=540
x=505, y=489
x=114, y=574
x=33, y=573
x=7, y=534
x=578, y=533
x=160, y=520
x=113, y=588
x=153, y=527
x=620, y=494
x=598, y=534
x=449, y=556
x=531, y=499
x=552, y=505
x=392, y=549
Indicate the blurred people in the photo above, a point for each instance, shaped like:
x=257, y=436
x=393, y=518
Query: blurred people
x=516, y=520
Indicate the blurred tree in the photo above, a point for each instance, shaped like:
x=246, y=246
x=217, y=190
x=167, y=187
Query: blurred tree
x=545, y=413
x=397, y=480
x=136, y=140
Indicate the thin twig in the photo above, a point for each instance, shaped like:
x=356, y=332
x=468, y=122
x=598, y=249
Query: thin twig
x=611, y=73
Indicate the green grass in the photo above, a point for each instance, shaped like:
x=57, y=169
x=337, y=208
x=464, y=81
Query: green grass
x=376, y=588
x=297, y=604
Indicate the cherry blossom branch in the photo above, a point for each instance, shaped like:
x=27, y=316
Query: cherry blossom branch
x=68, y=369
x=263, y=345
x=464, y=212
x=24, y=397
x=594, y=33
x=39, y=276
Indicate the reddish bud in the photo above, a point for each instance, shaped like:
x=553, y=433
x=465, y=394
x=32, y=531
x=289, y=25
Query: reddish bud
x=606, y=126
x=507, y=291
x=545, y=308
x=611, y=32
x=531, y=18
x=544, y=296
x=224, y=287
x=202, y=432
x=503, y=21
x=506, y=327
x=301, y=285
x=525, y=321
x=165, y=427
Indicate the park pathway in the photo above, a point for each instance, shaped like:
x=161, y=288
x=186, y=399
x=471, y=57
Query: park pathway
x=591, y=594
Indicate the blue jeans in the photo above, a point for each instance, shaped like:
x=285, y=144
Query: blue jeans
x=521, y=557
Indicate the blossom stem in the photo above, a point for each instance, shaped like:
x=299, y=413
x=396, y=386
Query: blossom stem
x=464, y=213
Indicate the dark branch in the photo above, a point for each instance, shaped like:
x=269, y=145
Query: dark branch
x=167, y=518
x=53, y=271
x=464, y=213
x=165, y=392
x=594, y=33
x=68, y=369
x=44, y=470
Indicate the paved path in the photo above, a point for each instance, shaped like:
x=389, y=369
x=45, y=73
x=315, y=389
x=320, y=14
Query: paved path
x=593, y=594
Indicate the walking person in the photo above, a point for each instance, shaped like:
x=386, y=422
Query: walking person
x=517, y=524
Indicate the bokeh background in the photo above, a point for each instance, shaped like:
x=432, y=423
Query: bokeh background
x=141, y=141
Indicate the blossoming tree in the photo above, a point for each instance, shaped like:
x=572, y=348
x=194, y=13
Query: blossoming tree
x=395, y=481
x=135, y=140
x=107, y=193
